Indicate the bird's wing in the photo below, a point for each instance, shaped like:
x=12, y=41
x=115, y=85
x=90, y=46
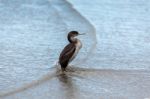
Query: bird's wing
x=67, y=53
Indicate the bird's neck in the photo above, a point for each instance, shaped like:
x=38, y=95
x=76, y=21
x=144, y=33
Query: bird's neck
x=72, y=39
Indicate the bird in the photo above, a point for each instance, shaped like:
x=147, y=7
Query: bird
x=71, y=50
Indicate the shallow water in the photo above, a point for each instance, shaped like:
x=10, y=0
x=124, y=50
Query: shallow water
x=33, y=33
x=122, y=31
x=26, y=51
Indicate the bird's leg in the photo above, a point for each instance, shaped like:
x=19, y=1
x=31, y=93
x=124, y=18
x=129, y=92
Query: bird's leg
x=63, y=69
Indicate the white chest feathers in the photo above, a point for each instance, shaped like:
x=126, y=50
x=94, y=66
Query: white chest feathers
x=78, y=47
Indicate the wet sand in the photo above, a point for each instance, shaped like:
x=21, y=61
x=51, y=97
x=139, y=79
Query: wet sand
x=80, y=83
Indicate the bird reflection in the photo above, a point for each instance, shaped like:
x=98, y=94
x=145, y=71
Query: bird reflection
x=67, y=85
x=64, y=78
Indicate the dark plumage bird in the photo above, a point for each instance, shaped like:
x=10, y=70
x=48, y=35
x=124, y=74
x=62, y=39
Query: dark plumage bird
x=71, y=50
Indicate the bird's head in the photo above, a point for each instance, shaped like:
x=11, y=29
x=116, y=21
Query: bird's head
x=74, y=33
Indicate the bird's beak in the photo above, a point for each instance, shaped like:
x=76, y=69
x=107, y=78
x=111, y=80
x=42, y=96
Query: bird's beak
x=82, y=34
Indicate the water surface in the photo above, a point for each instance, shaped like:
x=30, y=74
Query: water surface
x=113, y=63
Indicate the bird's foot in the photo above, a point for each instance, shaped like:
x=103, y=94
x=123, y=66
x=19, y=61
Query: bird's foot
x=69, y=69
x=63, y=70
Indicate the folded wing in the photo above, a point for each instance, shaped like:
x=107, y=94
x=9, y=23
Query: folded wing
x=66, y=54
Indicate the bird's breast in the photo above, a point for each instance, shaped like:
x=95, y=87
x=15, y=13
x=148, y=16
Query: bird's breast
x=78, y=47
